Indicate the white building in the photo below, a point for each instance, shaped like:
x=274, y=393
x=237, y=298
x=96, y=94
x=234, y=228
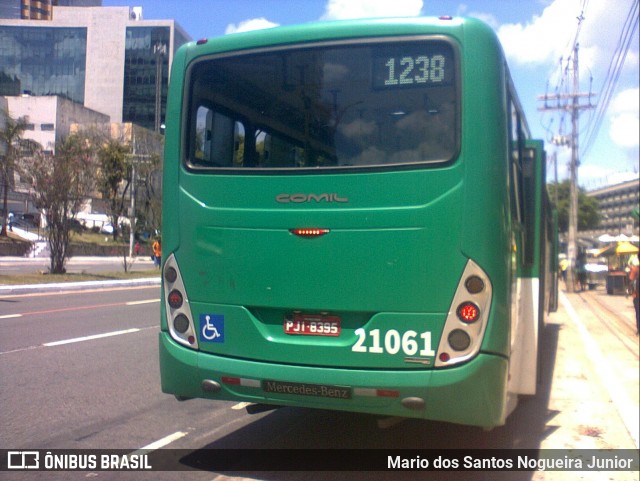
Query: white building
x=50, y=118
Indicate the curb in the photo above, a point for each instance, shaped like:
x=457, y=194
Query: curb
x=77, y=286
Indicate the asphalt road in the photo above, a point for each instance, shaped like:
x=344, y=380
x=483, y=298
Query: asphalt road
x=79, y=370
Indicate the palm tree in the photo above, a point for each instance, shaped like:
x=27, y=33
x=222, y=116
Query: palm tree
x=10, y=137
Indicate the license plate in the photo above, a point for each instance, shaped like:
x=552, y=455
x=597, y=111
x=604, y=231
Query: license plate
x=304, y=389
x=312, y=325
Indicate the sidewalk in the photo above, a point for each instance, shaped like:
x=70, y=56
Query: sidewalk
x=94, y=265
x=590, y=384
x=75, y=260
x=77, y=286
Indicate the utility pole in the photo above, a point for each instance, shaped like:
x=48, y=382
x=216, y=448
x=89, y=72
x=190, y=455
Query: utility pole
x=132, y=208
x=159, y=50
x=571, y=103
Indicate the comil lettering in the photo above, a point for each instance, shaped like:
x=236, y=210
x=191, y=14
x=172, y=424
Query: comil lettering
x=302, y=198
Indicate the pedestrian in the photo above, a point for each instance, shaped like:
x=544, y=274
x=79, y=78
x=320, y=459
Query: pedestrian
x=157, y=253
x=634, y=280
x=11, y=221
x=136, y=248
x=564, y=265
x=581, y=271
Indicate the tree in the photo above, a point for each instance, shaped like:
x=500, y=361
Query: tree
x=146, y=151
x=149, y=174
x=10, y=136
x=114, y=177
x=59, y=185
x=588, y=214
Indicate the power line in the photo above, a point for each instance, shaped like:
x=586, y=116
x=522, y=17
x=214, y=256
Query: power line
x=613, y=74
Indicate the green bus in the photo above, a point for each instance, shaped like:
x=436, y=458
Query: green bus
x=355, y=218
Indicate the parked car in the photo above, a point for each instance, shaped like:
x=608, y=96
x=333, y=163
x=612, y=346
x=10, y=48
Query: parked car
x=30, y=219
x=106, y=228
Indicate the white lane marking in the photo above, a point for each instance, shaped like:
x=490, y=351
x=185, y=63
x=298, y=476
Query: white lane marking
x=160, y=443
x=78, y=339
x=89, y=338
x=137, y=303
x=626, y=410
x=20, y=350
x=80, y=308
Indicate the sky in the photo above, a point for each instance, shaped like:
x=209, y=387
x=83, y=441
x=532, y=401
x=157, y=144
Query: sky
x=537, y=37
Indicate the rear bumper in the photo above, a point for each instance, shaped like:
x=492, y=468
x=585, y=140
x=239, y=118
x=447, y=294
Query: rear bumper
x=473, y=394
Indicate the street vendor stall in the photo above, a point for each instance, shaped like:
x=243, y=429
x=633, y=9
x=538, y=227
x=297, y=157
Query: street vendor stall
x=617, y=257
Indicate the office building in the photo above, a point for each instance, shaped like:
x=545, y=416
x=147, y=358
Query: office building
x=39, y=9
x=616, y=204
x=105, y=58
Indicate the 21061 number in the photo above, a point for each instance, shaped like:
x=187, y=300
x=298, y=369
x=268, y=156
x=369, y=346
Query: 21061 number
x=410, y=342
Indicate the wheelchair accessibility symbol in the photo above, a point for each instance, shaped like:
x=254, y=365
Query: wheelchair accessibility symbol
x=211, y=328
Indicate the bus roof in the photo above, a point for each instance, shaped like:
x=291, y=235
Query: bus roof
x=337, y=30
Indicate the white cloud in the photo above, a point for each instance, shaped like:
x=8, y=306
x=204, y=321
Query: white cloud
x=488, y=18
x=251, y=24
x=625, y=123
x=593, y=176
x=550, y=36
x=347, y=9
x=545, y=38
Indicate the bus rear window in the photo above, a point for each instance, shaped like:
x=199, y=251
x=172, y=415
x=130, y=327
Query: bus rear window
x=335, y=106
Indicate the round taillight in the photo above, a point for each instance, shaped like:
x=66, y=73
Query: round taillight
x=170, y=274
x=444, y=356
x=474, y=285
x=459, y=340
x=175, y=299
x=468, y=312
x=181, y=323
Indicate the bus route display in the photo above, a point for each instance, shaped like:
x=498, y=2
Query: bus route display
x=413, y=67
